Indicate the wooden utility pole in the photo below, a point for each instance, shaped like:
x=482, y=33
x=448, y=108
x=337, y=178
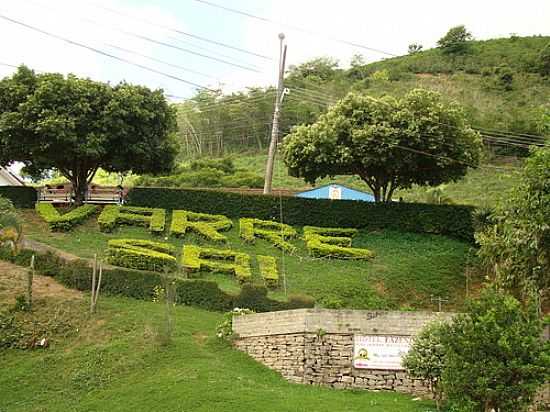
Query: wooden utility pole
x=275, y=127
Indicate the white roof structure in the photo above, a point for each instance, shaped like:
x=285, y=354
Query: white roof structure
x=7, y=178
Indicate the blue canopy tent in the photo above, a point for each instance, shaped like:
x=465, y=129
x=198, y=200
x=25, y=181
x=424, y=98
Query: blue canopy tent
x=336, y=192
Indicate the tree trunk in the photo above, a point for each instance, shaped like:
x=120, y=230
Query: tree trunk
x=80, y=186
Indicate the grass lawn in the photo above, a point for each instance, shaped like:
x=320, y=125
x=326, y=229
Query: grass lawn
x=114, y=361
x=407, y=270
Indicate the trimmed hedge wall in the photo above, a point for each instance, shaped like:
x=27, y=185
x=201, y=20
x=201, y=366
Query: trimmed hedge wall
x=450, y=220
x=141, y=285
x=23, y=197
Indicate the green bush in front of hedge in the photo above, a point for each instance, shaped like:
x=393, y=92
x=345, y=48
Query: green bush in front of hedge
x=204, y=224
x=141, y=254
x=196, y=259
x=64, y=222
x=333, y=243
x=22, y=197
x=268, y=270
x=141, y=285
x=274, y=232
x=450, y=220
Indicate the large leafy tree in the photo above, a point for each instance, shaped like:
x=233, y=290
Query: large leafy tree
x=76, y=126
x=495, y=359
x=516, y=247
x=389, y=143
x=455, y=41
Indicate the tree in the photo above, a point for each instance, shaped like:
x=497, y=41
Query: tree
x=415, y=48
x=426, y=358
x=389, y=143
x=495, y=359
x=516, y=248
x=77, y=125
x=544, y=61
x=455, y=41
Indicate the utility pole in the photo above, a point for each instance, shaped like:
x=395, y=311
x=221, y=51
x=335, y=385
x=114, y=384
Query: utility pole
x=439, y=301
x=275, y=126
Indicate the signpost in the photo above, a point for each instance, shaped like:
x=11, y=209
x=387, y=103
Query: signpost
x=380, y=351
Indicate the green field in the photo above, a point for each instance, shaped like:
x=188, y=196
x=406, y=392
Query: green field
x=408, y=268
x=115, y=361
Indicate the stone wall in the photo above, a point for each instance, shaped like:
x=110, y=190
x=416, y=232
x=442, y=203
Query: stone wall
x=315, y=346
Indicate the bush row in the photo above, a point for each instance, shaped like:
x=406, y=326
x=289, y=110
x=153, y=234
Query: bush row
x=141, y=285
x=268, y=270
x=450, y=220
x=274, y=232
x=63, y=222
x=23, y=197
x=203, y=224
x=333, y=242
x=141, y=254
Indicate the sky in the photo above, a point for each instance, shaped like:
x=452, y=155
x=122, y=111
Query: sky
x=141, y=25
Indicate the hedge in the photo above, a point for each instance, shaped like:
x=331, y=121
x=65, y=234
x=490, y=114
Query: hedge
x=141, y=254
x=113, y=215
x=64, y=222
x=333, y=242
x=196, y=258
x=268, y=270
x=450, y=220
x=141, y=285
x=203, y=224
x=274, y=232
x=22, y=197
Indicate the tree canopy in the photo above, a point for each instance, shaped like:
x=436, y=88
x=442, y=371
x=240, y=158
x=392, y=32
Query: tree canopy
x=389, y=143
x=76, y=126
x=516, y=248
x=455, y=41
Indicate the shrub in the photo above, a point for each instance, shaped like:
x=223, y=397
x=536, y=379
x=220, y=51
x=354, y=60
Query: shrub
x=204, y=224
x=455, y=41
x=450, y=220
x=273, y=232
x=141, y=254
x=243, y=179
x=23, y=197
x=141, y=284
x=224, y=330
x=66, y=221
x=426, y=358
x=268, y=270
x=494, y=356
x=197, y=259
x=333, y=242
x=113, y=215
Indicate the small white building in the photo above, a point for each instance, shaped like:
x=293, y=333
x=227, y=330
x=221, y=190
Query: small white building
x=7, y=178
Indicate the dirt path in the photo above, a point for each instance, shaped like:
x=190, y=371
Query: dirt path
x=13, y=282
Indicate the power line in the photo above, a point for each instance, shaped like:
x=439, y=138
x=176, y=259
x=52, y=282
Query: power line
x=161, y=43
x=112, y=56
x=181, y=32
x=292, y=27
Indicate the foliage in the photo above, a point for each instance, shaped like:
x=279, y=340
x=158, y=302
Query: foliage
x=333, y=243
x=196, y=259
x=204, y=224
x=544, y=61
x=505, y=77
x=63, y=222
x=516, y=249
x=268, y=270
x=274, y=232
x=113, y=215
x=426, y=358
x=23, y=197
x=455, y=41
x=141, y=254
x=224, y=329
x=451, y=220
x=415, y=48
x=389, y=143
x=77, y=125
x=494, y=357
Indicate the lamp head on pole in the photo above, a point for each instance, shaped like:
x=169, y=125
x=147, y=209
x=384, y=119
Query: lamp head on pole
x=281, y=36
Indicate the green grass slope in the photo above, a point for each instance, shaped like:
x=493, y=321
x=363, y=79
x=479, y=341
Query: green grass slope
x=115, y=362
x=407, y=270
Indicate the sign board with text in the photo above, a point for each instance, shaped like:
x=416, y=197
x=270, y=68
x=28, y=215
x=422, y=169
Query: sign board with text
x=380, y=351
